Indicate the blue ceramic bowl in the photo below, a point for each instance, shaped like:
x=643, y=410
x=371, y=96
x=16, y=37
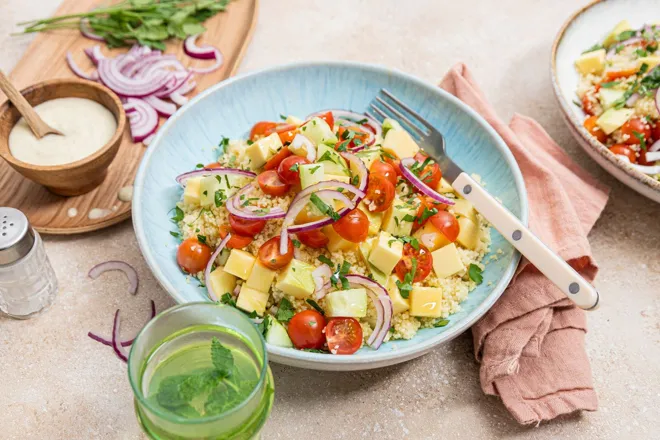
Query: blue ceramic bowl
x=232, y=107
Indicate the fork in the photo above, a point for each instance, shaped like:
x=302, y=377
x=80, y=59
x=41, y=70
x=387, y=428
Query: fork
x=576, y=288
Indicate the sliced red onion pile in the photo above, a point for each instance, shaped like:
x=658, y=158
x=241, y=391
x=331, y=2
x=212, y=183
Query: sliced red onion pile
x=128, y=270
x=419, y=184
x=382, y=303
x=209, y=267
x=145, y=79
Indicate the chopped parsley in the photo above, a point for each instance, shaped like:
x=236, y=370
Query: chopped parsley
x=219, y=198
x=282, y=117
x=427, y=213
x=326, y=157
x=228, y=299
x=326, y=260
x=626, y=35
x=362, y=121
x=285, y=311
x=641, y=138
x=596, y=46
x=296, y=243
x=339, y=276
x=324, y=207
x=610, y=84
x=199, y=165
x=313, y=170
x=201, y=238
x=178, y=215
x=441, y=323
x=355, y=180
x=412, y=241
x=175, y=234
x=223, y=142
x=474, y=272
x=295, y=167
x=409, y=218
x=405, y=286
x=315, y=305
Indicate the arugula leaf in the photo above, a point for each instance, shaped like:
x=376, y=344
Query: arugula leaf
x=474, y=272
x=285, y=311
x=315, y=305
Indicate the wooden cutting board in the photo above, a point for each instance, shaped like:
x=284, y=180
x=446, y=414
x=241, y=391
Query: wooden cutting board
x=230, y=31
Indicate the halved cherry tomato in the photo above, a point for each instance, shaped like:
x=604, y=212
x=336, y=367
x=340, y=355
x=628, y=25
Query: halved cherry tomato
x=624, y=150
x=594, y=129
x=314, y=238
x=306, y=329
x=588, y=105
x=213, y=165
x=286, y=132
x=193, y=256
x=446, y=223
x=270, y=183
x=329, y=118
x=656, y=131
x=269, y=254
x=288, y=169
x=246, y=227
x=237, y=241
x=353, y=227
x=380, y=193
x=616, y=74
x=260, y=129
x=642, y=158
x=430, y=207
x=636, y=127
x=395, y=163
x=344, y=335
x=431, y=173
x=384, y=169
x=275, y=161
x=358, y=134
x=423, y=259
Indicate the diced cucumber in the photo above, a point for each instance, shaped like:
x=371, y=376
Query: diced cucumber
x=319, y=132
x=225, y=183
x=369, y=156
x=347, y=303
x=333, y=162
x=311, y=174
x=276, y=334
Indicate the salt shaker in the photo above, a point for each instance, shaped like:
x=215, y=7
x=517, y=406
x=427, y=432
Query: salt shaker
x=27, y=280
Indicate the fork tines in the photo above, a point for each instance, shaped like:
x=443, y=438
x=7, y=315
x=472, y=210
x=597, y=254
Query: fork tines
x=386, y=105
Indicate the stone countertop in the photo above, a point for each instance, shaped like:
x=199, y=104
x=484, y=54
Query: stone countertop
x=59, y=384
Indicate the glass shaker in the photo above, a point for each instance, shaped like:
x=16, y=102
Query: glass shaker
x=27, y=280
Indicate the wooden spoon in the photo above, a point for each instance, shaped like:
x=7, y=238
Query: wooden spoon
x=37, y=125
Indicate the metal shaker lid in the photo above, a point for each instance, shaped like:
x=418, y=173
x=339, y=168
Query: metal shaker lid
x=16, y=236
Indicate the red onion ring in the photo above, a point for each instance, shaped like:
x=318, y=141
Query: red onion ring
x=178, y=99
x=119, y=349
x=357, y=168
x=128, y=342
x=88, y=32
x=178, y=85
x=182, y=178
x=94, y=76
x=94, y=53
x=301, y=141
x=209, y=267
x=163, y=108
x=632, y=100
x=353, y=117
x=655, y=146
x=653, y=156
x=191, y=49
x=298, y=205
x=187, y=87
x=143, y=120
x=145, y=61
x=322, y=275
x=417, y=182
x=383, y=304
x=122, y=266
x=235, y=206
x=133, y=87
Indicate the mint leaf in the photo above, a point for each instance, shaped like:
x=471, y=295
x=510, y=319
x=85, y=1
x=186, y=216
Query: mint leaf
x=474, y=272
x=223, y=361
x=285, y=311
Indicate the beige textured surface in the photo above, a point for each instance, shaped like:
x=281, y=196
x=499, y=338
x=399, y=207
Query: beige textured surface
x=55, y=383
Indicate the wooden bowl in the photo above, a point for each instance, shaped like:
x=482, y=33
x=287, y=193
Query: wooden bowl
x=77, y=177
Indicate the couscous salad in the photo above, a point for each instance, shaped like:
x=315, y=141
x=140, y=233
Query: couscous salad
x=618, y=92
x=331, y=232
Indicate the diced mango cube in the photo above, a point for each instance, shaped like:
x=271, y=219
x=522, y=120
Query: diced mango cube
x=426, y=302
x=469, y=234
x=221, y=281
x=431, y=237
x=591, y=62
x=240, y=263
x=351, y=303
x=400, y=143
x=386, y=253
x=465, y=208
x=191, y=193
x=611, y=38
x=262, y=150
x=447, y=261
x=444, y=186
x=260, y=277
x=337, y=242
x=297, y=280
x=399, y=303
x=251, y=300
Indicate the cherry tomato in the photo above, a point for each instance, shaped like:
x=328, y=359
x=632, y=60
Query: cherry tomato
x=193, y=256
x=636, y=127
x=260, y=129
x=587, y=105
x=213, y=165
x=246, y=227
x=329, y=118
x=594, y=129
x=424, y=263
x=384, y=169
x=616, y=74
x=358, y=134
x=270, y=183
x=288, y=169
x=446, y=223
x=314, y=238
x=624, y=150
x=306, y=329
x=269, y=254
x=431, y=173
x=353, y=227
x=286, y=132
x=344, y=335
x=275, y=161
x=237, y=241
x=380, y=193
x=426, y=204
x=395, y=163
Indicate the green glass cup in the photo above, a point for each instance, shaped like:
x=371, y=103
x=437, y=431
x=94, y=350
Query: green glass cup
x=200, y=371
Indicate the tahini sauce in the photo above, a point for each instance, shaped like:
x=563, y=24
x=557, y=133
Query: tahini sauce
x=87, y=126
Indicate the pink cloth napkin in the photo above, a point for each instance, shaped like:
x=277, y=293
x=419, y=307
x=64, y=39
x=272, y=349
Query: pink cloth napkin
x=531, y=343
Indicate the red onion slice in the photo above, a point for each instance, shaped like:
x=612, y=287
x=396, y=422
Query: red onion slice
x=632, y=100
x=628, y=42
x=653, y=156
x=146, y=141
x=209, y=268
x=119, y=349
x=134, y=87
x=136, y=64
x=178, y=99
x=358, y=168
x=163, y=108
x=417, y=182
x=383, y=304
x=122, y=266
x=327, y=184
x=301, y=141
x=655, y=146
x=645, y=169
x=191, y=49
x=179, y=85
x=128, y=342
x=299, y=205
x=143, y=121
x=187, y=87
x=182, y=178
x=322, y=275
x=235, y=206
x=94, y=76
x=86, y=30
x=94, y=54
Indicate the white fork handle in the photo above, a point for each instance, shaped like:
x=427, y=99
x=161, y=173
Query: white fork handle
x=576, y=288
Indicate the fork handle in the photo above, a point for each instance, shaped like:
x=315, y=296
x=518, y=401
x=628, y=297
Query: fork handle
x=576, y=288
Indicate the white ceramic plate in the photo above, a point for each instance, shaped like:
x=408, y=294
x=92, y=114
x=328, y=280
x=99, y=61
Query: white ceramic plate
x=585, y=28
